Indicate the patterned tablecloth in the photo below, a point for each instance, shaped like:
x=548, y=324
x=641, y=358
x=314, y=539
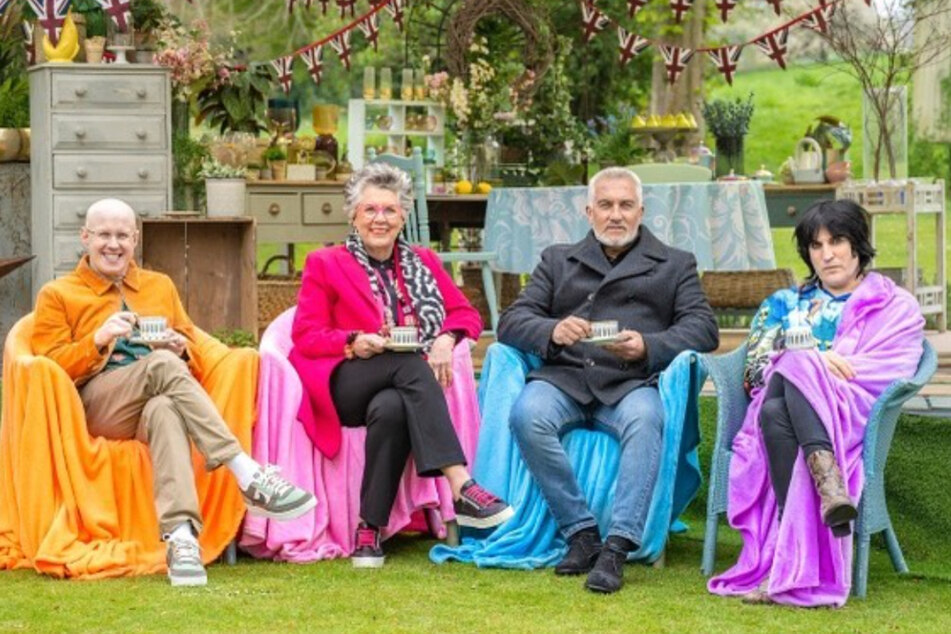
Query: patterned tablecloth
x=725, y=225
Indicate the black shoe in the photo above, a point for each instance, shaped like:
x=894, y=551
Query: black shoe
x=583, y=550
x=477, y=508
x=607, y=576
x=369, y=552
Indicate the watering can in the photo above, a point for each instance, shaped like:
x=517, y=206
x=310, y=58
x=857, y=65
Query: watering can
x=807, y=163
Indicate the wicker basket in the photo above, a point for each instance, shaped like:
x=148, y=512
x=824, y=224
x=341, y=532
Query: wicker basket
x=276, y=293
x=743, y=289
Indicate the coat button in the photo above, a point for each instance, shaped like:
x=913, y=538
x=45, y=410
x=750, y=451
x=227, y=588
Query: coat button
x=590, y=297
x=590, y=362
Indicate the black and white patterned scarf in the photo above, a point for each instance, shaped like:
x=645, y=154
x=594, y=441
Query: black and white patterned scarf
x=424, y=295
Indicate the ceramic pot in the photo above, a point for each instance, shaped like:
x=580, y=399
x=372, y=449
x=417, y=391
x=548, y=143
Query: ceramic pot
x=839, y=171
x=24, y=154
x=278, y=170
x=9, y=144
x=225, y=196
x=94, y=47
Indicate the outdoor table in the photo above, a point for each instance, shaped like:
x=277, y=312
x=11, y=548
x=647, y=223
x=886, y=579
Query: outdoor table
x=724, y=224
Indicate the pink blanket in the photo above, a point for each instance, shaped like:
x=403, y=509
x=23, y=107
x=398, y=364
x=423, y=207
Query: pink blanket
x=880, y=334
x=279, y=438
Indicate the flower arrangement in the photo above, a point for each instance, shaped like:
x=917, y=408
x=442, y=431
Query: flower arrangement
x=214, y=169
x=728, y=119
x=188, y=54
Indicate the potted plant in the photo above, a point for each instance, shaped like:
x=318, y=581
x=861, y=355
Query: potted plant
x=14, y=89
x=236, y=101
x=147, y=18
x=728, y=121
x=276, y=159
x=225, y=188
x=95, y=19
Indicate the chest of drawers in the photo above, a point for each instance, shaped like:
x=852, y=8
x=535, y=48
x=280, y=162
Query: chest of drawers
x=98, y=131
x=290, y=212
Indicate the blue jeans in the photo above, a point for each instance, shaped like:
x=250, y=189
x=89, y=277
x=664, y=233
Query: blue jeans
x=543, y=414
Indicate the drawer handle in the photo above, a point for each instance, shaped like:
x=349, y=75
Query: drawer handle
x=141, y=93
x=143, y=173
x=80, y=133
x=80, y=213
x=80, y=92
x=143, y=214
x=81, y=172
x=791, y=210
x=274, y=209
x=141, y=134
x=327, y=209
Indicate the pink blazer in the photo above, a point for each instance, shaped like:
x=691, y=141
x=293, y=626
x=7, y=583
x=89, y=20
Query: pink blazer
x=336, y=299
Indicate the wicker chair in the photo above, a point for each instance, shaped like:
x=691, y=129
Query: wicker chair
x=726, y=371
x=743, y=290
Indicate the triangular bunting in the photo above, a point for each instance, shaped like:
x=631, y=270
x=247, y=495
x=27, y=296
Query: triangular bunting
x=314, y=58
x=395, y=9
x=50, y=14
x=775, y=4
x=284, y=67
x=371, y=29
x=680, y=7
x=341, y=44
x=818, y=20
x=633, y=6
x=347, y=4
x=592, y=20
x=726, y=58
x=630, y=44
x=675, y=59
x=725, y=6
x=120, y=11
x=774, y=45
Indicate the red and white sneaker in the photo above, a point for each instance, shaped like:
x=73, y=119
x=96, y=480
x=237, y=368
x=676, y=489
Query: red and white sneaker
x=477, y=508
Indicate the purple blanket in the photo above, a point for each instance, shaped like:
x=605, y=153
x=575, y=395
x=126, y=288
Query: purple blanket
x=880, y=334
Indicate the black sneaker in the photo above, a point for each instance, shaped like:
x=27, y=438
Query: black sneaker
x=477, y=508
x=583, y=550
x=607, y=576
x=369, y=552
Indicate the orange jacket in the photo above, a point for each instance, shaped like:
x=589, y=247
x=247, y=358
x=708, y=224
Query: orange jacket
x=70, y=310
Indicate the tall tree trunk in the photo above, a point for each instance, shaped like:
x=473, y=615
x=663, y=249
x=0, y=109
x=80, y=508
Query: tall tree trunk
x=684, y=95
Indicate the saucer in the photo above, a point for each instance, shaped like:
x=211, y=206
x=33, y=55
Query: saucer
x=602, y=341
x=164, y=341
x=402, y=347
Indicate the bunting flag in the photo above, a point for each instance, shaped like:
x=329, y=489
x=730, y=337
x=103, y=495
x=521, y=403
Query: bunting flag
x=725, y=6
x=285, y=71
x=371, y=29
x=675, y=59
x=633, y=6
x=680, y=7
x=50, y=14
x=341, y=44
x=314, y=58
x=818, y=20
x=630, y=45
x=395, y=9
x=120, y=11
x=775, y=4
x=593, y=21
x=774, y=45
x=726, y=58
x=344, y=5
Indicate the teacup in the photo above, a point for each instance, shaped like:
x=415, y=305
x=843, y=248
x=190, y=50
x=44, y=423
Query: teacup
x=404, y=335
x=152, y=328
x=604, y=329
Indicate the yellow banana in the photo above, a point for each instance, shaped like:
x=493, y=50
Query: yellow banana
x=68, y=46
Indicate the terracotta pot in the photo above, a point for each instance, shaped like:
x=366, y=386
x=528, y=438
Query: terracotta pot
x=94, y=47
x=278, y=170
x=839, y=171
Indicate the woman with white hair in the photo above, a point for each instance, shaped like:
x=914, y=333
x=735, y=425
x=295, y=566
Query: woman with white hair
x=352, y=296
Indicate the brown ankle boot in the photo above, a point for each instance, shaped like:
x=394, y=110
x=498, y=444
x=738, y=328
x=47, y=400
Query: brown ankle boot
x=836, y=506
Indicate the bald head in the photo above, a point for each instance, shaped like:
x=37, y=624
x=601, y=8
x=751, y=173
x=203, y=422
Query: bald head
x=109, y=208
x=109, y=237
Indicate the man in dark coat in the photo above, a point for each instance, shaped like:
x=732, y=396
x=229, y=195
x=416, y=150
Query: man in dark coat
x=620, y=271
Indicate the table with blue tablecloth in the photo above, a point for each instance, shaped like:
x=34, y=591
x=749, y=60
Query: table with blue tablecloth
x=724, y=224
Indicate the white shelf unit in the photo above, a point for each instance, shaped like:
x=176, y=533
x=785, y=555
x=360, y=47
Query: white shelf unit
x=916, y=199
x=364, y=115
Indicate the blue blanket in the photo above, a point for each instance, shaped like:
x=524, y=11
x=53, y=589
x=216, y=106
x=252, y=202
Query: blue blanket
x=531, y=538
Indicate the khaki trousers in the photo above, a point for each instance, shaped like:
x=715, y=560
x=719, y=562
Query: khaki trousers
x=156, y=400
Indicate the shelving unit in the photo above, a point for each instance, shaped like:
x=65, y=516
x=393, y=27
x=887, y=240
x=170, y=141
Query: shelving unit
x=914, y=199
x=364, y=119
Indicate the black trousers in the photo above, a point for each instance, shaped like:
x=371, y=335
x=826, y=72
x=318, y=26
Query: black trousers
x=397, y=397
x=788, y=423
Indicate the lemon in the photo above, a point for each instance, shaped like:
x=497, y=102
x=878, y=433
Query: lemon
x=463, y=187
x=483, y=188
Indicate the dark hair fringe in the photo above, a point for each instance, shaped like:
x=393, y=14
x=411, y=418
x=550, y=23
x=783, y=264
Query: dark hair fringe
x=842, y=218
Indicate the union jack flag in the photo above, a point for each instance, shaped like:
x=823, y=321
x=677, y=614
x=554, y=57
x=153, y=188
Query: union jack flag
x=633, y=6
x=774, y=45
x=630, y=45
x=775, y=4
x=818, y=19
x=120, y=11
x=680, y=7
x=725, y=6
x=341, y=44
x=726, y=58
x=371, y=28
x=395, y=9
x=314, y=58
x=50, y=14
x=675, y=59
x=347, y=4
x=593, y=21
x=285, y=70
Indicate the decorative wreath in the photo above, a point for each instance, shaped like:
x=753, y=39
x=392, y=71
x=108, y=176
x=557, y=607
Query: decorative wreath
x=534, y=24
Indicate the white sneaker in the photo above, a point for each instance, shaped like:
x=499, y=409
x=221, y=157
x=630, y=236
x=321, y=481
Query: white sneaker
x=183, y=557
x=272, y=496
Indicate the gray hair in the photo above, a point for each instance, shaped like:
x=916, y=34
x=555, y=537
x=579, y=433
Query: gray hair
x=382, y=176
x=612, y=173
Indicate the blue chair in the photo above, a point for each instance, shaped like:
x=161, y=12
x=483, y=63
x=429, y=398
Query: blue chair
x=417, y=226
x=726, y=371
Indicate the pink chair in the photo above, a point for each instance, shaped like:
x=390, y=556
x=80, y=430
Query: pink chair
x=279, y=438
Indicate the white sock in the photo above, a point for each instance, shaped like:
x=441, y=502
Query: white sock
x=183, y=531
x=243, y=467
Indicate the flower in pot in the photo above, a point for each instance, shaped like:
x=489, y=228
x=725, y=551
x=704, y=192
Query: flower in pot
x=728, y=121
x=148, y=17
x=224, y=188
x=276, y=159
x=95, y=19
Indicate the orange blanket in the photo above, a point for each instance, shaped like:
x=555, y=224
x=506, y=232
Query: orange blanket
x=76, y=506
